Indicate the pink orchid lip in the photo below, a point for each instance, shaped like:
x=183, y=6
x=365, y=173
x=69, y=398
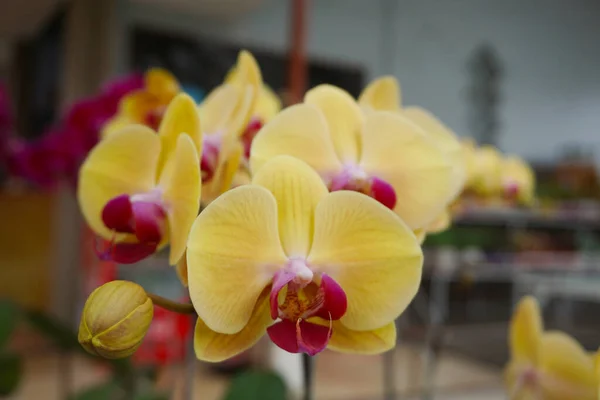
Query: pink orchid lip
x=254, y=126
x=300, y=337
x=357, y=180
x=294, y=333
x=142, y=215
x=210, y=156
x=125, y=253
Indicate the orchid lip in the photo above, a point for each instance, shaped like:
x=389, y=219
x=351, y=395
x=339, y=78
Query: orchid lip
x=355, y=179
x=304, y=299
x=143, y=215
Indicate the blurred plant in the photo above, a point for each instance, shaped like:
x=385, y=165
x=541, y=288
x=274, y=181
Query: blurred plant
x=58, y=153
x=547, y=365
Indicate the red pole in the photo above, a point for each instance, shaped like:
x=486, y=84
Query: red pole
x=297, y=60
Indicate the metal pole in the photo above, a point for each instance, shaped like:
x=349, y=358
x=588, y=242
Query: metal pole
x=308, y=375
x=298, y=69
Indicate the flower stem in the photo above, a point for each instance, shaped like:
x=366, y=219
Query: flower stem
x=308, y=372
x=171, y=305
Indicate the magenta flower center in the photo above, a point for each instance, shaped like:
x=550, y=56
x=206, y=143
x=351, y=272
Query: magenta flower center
x=210, y=156
x=357, y=180
x=142, y=215
x=297, y=296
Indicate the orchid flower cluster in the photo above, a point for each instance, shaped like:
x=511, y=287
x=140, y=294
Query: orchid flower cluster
x=547, y=365
x=494, y=178
x=58, y=153
x=304, y=224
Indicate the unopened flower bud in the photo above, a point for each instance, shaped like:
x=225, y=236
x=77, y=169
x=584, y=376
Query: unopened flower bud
x=115, y=319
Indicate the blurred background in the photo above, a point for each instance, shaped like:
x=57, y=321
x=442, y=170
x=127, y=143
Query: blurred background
x=521, y=75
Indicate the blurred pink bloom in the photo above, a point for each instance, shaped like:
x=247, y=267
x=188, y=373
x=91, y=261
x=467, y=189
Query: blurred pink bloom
x=57, y=154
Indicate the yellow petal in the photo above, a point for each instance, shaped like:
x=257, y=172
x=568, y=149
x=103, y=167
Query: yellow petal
x=247, y=78
x=297, y=189
x=370, y=253
x=526, y=328
x=247, y=71
x=567, y=369
x=161, y=84
x=180, y=117
x=181, y=193
x=441, y=223
x=218, y=107
x=233, y=252
x=136, y=105
x=115, y=124
x=374, y=341
x=445, y=139
x=299, y=131
x=214, y=347
x=181, y=269
x=114, y=167
x=230, y=157
x=396, y=150
x=420, y=234
x=268, y=104
x=382, y=94
x=344, y=119
x=488, y=171
x=515, y=170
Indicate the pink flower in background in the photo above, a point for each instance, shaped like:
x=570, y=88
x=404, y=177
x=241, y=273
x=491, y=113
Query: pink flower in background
x=57, y=154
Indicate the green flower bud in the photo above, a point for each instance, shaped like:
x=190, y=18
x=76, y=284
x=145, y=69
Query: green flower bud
x=115, y=319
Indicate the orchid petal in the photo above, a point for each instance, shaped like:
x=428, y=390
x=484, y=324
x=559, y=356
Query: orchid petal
x=228, y=163
x=162, y=84
x=233, y=252
x=181, y=117
x=299, y=131
x=297, y=189
x=115, y=167
x=344, y=119
x=441, y=223
x=526, y=328
x=214, y=347
x=181, y=193
x=567, y=370
x=218, y=107
x=397, y=151
x=370, y=253
x=182, y=271
x=382, y=94
x=445, y=139
x=345, y=340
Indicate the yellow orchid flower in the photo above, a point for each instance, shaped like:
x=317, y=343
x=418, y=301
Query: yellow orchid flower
x=225, y=114
x=546, y=365
x=384, y=94
x=139, y=190
x=518, y=180
x=311, y=269
x=145, y=106
x=381, y=154
x=488, y=167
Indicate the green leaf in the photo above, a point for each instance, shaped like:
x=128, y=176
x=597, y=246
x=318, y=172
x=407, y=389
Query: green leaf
x=10, y=373
x=256, y=385
x=104, y=391
x=9, y=317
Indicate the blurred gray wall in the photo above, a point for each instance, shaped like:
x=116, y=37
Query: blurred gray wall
x=550, y=50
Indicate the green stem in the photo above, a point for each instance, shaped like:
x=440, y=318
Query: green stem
x=171, y=305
